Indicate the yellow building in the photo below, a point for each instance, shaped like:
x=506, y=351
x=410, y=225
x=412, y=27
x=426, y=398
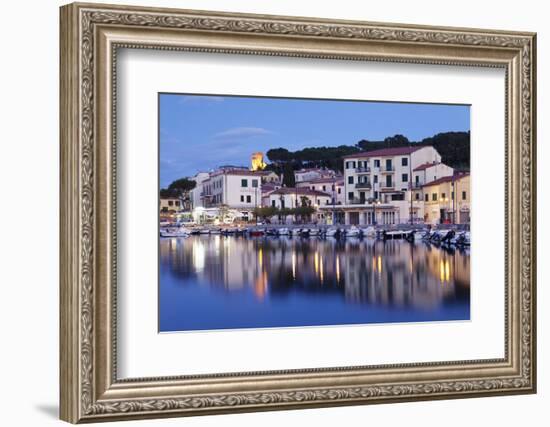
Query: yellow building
x=170, y=204
x=447, y=199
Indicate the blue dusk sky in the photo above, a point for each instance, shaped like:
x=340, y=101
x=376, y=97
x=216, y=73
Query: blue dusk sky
x=200, y=133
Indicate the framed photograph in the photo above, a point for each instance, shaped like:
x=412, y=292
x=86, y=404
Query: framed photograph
x=266, y=212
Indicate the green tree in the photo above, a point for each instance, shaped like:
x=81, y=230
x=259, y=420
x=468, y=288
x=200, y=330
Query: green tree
x=182, y=185
x=279, y=155
x=288, y=175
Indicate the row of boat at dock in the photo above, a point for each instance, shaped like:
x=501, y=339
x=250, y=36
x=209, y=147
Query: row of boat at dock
x=444, y=237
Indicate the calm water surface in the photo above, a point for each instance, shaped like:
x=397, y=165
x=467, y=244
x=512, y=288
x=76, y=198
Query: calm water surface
x=216, y=282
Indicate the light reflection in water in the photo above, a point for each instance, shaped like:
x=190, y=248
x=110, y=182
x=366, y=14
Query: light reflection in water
x=206, y=281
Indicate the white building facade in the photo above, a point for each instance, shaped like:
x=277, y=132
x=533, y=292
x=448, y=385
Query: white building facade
x=333, y=186
x=379, y=184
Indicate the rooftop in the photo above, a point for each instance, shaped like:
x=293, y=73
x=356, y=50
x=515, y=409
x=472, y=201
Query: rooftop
x=395, y=151
x=338, y=179
x=235, y=171
x=454, y=177
x=302, y=191
x=425, y=166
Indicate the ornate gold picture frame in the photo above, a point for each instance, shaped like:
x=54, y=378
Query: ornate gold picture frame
x=90, y=37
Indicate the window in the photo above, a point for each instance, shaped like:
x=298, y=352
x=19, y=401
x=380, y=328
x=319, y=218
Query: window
x=313, y=187
x=350, y=195
x=359, y=164
x=255, y=183
x=388, y=181
x=339, y=191
x=177, y=202
x=377, y=163
x=443, y=196
x=452, y=195
x=244, y=182
x=426, y=197
x=376, y=194
x=242, y=198
x=324, y=188
x=463, y=195
x=434, y=197
x=333, y=188
x=398, y=196
x=273, y=203
x=248, y=199
x=388, y=165
x=404, y=161
x=170, y=203
x=354, y=165
x=347, y=165
x=417, y=196
x=405, y=177
x=417, y=179
x=350, y=179
x=375, y=179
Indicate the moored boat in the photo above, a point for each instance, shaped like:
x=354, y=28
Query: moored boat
x=175, y=232
x=353, y=231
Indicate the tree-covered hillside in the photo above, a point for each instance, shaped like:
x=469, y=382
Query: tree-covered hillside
x=454, y=148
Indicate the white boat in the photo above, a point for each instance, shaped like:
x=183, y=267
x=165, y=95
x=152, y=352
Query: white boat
x=313, y=232
x=296, y=231
x=204, y=231
x=332, y=232
x=353, y=231
x=369, y=231
x=175, y=232
x=283, y=232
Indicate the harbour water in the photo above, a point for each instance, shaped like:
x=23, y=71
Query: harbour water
x=216, y=282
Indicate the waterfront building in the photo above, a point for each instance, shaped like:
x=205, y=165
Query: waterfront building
x=196, y=193
x=233, y=188
x=333, y=186
x=267, y=189
x=379, y=184
x=169, y=204
x=290, y=198
x=307, y=174
x=447, y=199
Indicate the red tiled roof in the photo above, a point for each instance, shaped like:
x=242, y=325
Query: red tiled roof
x=235, y=171
x=396, y=151
x=337, y=179
x=455, y=177
x=303, y=191
x=425, y=166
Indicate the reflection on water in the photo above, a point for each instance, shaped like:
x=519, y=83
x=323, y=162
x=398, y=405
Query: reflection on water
x=217, y=282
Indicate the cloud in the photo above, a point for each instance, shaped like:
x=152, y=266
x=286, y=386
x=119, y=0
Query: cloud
x=201, y=98
x=242, y=132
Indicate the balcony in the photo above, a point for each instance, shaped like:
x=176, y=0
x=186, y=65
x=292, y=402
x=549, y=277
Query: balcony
x=366, y=185
x=357, y=202
x=387, y=169
x=362, y=170
x=387, y=186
